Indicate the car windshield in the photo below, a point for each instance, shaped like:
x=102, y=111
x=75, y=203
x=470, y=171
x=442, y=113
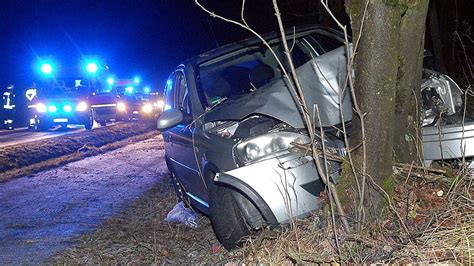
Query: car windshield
x=243, y=71
x=66, y=87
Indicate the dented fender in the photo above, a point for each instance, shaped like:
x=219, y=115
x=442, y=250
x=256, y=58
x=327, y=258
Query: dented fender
x=282, y=188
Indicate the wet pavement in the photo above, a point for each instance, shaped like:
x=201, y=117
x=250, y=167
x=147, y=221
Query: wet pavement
x=42, y=214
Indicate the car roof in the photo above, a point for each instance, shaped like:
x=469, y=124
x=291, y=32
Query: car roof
x=225, y=49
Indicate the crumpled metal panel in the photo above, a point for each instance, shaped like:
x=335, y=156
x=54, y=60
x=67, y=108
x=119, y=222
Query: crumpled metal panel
x=289, y=186
x=321, y=80
x=448, y=142
x=449, y=92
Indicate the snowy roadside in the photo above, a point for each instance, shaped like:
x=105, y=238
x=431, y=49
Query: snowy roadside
x=140, y=235
x=24, y=159
x=43, y=213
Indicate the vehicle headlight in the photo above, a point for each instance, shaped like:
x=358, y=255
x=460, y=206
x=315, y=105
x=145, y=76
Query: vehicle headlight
x=147, y=108
x=41, y=108
x=81, y=107
x=261, y=146
x=160, y=104
x=121, y=107
x=67, y=108
x=52, y=108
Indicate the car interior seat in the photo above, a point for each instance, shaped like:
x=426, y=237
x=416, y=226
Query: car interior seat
x=261, y=75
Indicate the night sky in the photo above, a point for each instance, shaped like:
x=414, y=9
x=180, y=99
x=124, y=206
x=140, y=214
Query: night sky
x=134, y=37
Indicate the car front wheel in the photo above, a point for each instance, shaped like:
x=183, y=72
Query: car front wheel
x=227, y=219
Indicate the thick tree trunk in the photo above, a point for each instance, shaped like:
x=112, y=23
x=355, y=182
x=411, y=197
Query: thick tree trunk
x=410, y=63
x=376, y=71
x=387, y=69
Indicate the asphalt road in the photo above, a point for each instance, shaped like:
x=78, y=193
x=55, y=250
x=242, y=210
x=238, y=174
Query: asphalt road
x=44, y=213
x=24, y=135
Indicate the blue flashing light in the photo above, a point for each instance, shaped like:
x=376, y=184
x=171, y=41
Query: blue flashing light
x=146, y=90
x=136, y=80
x=110, y=81
x=129, y=89
x=46, y=68
x=52, y=109
x=92, y=67
x=67, y=108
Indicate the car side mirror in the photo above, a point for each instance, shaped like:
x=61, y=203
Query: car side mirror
x=169, y=119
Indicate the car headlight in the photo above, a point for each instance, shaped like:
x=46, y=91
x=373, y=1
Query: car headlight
x=67, y=108
x=147, y=108
x=160, y=104
x=121, y=107
x=52, y=108
x=81, y=107
x=41, y=108
x=264, y=145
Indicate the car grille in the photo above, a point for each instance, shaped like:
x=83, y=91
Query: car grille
x=105, y=111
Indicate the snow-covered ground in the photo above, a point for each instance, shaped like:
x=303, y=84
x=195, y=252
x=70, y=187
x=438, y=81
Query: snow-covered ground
x=41, y=214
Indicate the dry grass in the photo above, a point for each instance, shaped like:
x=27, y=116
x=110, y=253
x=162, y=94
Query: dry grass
x=440, y=224
x=441, y=229
x=24, y=159
x=141, y=235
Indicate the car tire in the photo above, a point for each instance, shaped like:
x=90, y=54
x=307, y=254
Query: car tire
x=227, y=220
x=90, y=122
x=103, y=123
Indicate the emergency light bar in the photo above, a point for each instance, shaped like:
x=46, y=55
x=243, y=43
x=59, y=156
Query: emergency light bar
x=46, y=68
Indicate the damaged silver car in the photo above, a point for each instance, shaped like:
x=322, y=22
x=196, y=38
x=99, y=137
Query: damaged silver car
x=448, y=135
x=233, y=132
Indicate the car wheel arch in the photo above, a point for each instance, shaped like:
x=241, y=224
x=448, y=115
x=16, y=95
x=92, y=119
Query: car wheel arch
x=249, y=202
x=247, y=192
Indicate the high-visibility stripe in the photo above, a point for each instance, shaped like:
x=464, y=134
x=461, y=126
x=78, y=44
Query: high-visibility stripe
x=104, y=105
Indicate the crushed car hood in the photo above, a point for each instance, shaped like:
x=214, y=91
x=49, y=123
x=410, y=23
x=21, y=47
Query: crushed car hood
x=321, y=79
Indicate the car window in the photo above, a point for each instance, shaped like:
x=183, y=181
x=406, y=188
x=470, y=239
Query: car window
x=182, y=90
x=240, y=72
x=169, y=93
x=65, y=87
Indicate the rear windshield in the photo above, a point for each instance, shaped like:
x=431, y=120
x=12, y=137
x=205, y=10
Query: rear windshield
x=246, y=70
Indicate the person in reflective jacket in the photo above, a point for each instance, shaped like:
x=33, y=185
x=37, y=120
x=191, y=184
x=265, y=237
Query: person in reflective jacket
x=8, y=108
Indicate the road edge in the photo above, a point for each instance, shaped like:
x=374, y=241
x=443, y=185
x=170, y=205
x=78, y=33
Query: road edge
x=86, y=151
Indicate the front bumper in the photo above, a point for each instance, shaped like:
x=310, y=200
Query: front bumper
x=282, y=188
x=60, y=118
x=105, y=112
x=448, y=142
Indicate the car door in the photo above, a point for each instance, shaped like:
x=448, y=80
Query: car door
x=181, y=140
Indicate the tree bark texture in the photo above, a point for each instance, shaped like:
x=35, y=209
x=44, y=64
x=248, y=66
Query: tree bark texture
x=410, y=63
x=387, y=70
